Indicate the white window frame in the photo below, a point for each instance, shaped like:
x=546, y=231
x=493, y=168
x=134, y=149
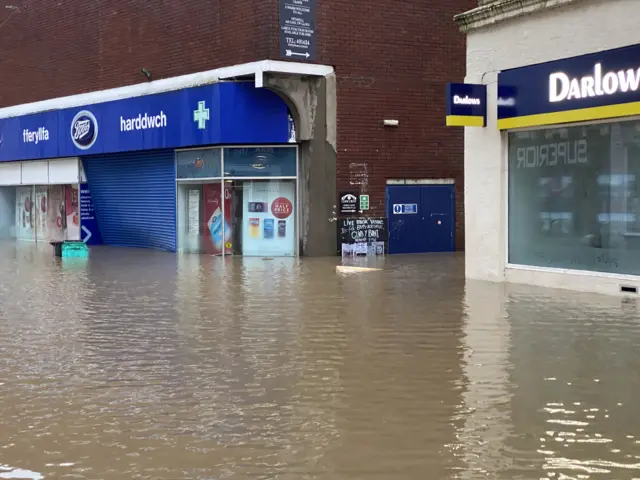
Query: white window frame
x=223, y=179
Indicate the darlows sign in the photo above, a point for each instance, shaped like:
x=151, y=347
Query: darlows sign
x=466, y=105
x=562, y=87
x=590, y=87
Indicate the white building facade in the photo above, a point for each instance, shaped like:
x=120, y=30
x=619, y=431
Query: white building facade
x=552, y=182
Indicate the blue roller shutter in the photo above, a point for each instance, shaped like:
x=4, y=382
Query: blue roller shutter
x=134, y=197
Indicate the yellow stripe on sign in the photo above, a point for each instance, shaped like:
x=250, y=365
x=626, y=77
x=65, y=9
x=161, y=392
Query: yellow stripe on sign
x=570, y=116
x=463, y=121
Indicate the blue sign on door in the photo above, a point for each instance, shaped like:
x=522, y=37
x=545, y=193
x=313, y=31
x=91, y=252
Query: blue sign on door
x=405, y=208
x=421, y=218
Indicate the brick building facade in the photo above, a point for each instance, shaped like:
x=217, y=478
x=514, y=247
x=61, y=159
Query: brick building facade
x=392, y=61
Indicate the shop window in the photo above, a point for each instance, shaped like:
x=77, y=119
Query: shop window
x=8, y=212
x=198, y=163
x=260, y=162
x=242, y=214
x=239, y=217
x=39, y=213
x=574, y=199
x=204, y=212
x=263, y=219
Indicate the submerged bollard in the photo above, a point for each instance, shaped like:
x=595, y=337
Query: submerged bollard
x=57, y=248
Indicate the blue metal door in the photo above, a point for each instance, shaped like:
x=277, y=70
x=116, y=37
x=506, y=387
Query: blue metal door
x=438, y=207
x=405, y=224
x=421, y=218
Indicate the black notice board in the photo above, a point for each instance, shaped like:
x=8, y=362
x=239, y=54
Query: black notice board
x=298, y=29
x=369, y=230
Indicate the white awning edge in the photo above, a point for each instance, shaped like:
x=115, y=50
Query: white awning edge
x=254, y=69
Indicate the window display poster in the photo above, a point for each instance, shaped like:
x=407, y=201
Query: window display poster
x=193, y=210
x=24, y=214
x=40, y=207
x=216, y=237
x=72, y=212
x=268, y=218
x=56, y=217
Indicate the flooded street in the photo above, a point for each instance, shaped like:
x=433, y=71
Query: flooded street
x=143, y=365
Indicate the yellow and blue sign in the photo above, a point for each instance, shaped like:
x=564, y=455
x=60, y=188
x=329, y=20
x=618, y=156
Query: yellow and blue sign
x=590, y=87
x=466, y=105
x=221, y=113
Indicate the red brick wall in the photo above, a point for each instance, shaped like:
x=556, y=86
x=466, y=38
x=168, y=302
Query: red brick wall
x=62, y=47
x=392, y=60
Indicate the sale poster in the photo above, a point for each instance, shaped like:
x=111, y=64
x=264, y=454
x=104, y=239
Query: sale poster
x=218, y=234
x=269, y=219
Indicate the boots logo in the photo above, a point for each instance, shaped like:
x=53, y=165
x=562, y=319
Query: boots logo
x=84, y=130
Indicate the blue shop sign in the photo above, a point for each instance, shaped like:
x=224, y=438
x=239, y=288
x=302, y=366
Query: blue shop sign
x=590, y=87
x=221, y=113
x=90, y=232
x=466, y=105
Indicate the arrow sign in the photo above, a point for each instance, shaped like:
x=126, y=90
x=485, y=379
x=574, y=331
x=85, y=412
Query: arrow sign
x=290, y=53
x=88, y=232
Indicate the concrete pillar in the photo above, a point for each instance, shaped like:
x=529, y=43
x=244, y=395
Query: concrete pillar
x=312, y=101
x=485, y=191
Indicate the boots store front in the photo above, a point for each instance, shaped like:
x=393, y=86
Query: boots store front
x=210, y=169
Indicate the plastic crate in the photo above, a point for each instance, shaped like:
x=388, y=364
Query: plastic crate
x=74, y=250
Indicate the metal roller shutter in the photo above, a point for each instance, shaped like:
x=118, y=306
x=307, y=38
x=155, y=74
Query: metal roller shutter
x=134, y=197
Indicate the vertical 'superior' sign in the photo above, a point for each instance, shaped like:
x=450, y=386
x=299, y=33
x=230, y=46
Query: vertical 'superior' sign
x=466, y=105
x=298, y=29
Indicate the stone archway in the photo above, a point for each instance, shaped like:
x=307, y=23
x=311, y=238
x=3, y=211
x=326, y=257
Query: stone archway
x=312, y=102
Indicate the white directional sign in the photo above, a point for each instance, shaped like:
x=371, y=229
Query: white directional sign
x=87, y=233
x=298, y=29
x=291, y=53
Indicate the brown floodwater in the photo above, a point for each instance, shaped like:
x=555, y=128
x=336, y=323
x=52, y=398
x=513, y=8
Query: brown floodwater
x=136, y=364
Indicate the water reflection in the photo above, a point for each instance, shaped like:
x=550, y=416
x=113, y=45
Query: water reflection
x=555, y=385
x=145, y=364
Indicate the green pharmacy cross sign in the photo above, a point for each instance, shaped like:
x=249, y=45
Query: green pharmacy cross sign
x=201, y=115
